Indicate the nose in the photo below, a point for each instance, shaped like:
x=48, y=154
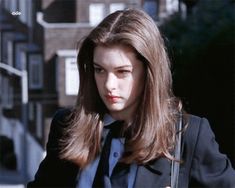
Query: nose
x=111, y=82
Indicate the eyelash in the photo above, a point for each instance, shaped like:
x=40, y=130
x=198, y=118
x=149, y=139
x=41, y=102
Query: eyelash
x=98, y=70
x=124, y=71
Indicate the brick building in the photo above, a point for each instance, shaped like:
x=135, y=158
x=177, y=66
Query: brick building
x=40, y=36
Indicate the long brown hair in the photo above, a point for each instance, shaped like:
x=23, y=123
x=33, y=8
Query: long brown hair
x=152, y=134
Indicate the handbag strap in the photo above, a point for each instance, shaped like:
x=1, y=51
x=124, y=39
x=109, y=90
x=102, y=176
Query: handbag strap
x=175, y=165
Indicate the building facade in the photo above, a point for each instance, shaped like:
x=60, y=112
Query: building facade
x=40, y=37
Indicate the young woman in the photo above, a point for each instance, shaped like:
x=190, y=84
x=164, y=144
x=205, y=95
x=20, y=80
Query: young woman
x=126, y=129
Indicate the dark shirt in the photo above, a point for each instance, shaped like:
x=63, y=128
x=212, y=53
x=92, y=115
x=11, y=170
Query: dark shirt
x=86, y=177
x=203, y=165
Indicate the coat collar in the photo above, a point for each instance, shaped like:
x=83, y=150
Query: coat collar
x=154, y=174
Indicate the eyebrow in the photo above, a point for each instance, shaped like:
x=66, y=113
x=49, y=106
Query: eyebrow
x=96, y=64
x=123, y=66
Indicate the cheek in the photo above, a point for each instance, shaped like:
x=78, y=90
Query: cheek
x=127, y=86
x=98, y=82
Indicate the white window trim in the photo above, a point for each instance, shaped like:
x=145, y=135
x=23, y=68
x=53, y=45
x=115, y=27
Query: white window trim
x=71, y=76
x=116, y=6
x=23, y=10
x=96, y=13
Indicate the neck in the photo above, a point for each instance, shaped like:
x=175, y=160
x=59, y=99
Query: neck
x=127, y=116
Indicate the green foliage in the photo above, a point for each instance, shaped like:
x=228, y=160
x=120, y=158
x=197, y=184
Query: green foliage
x=192, y=42
x=202, y=51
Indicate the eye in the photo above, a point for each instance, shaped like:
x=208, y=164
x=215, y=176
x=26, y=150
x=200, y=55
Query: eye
x=124, y=71
x=98, y=70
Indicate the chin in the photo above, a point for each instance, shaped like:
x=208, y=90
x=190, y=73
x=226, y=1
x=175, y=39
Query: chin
x=115, y=107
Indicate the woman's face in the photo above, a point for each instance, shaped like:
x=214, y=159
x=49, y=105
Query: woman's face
x=119, y=77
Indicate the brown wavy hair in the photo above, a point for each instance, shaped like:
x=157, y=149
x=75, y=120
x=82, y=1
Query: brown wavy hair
x=152, y=134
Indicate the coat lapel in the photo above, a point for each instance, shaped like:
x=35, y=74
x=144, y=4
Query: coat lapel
x=154, y=174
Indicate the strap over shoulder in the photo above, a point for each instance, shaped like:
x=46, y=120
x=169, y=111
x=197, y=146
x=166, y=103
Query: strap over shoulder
x=175, y=164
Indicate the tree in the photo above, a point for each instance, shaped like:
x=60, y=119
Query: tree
x=202, y=49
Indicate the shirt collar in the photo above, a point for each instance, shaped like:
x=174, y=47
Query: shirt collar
x=108, y=120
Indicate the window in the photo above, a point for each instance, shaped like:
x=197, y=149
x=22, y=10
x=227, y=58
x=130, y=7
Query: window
x=35, y=71
x=30, y=10
x=23, y=11
x=18, y=50
x=39, y=120
x=7, y=4
x=5, y=38
x=151, y=7
x=0, y=45
x=7, y=93
x=172, y=6
x=31, y=111
x=71, y=76
x=96, y=13
x=116, y=6
x=1, y=86
x=13, y=5
x=10, y=53
x=23, y=60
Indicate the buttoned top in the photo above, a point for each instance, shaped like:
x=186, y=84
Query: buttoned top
x=86, y=176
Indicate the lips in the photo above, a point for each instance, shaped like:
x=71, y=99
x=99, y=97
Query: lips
x=112, y=98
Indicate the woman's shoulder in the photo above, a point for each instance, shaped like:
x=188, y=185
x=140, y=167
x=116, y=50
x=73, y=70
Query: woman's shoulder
x=202, y=155
x=199, y=139
x=196, y=129
x=195, y=123
x=195, y=120
x=62, y=113
x=62, y=116
x=60, y=121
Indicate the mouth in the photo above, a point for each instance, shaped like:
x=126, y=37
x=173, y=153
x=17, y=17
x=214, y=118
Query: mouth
x=112, y=98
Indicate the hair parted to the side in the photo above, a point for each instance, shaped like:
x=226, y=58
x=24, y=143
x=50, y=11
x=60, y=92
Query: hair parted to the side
x=152, y=134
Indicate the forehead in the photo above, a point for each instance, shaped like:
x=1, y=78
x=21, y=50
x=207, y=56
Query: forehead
x=114, y=55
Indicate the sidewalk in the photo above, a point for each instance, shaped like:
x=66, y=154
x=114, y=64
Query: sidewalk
x=11, y=186
x=10, y=179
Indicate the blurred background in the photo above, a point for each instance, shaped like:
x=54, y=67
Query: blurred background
x=38, y=71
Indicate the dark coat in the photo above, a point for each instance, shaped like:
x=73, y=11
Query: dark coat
x=203, y=165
